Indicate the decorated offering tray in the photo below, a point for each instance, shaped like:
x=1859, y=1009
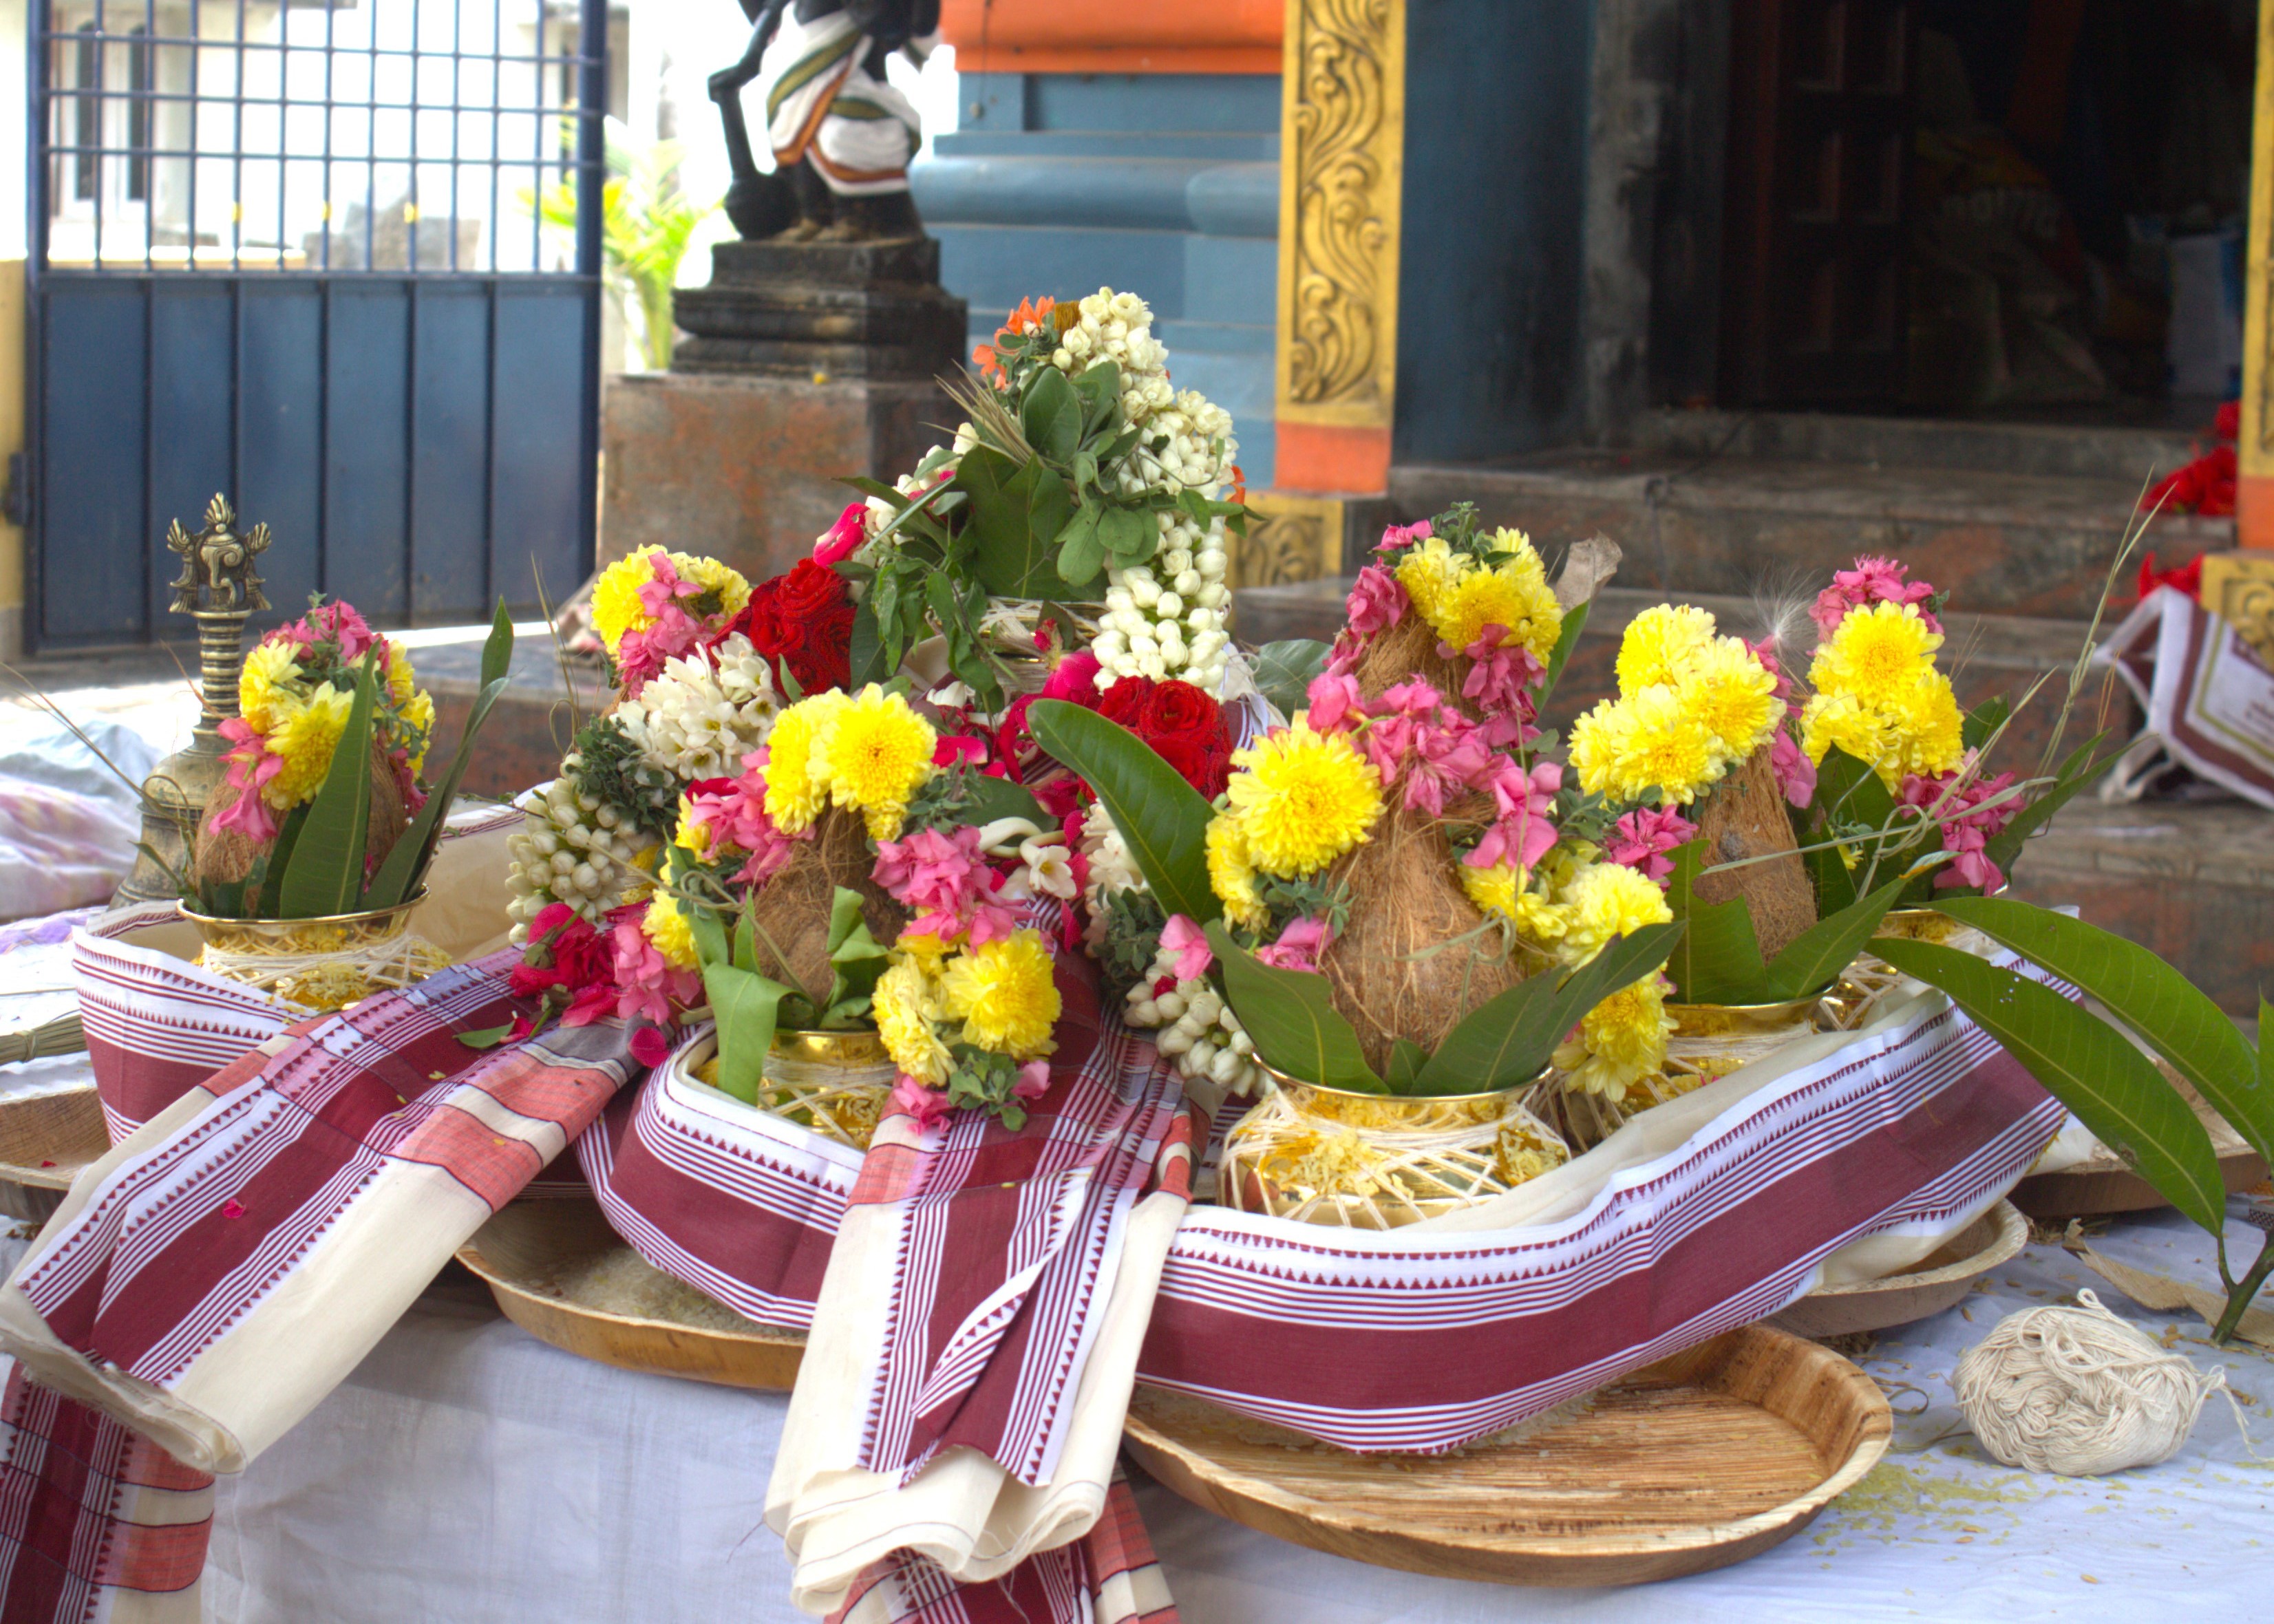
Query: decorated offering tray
x=1939, y=1280
x=2102, y=1183
x=45, y=1139
x=561, y=1274
x=1692, y=1463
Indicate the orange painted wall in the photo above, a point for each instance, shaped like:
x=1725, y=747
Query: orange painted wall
x=1114, y=36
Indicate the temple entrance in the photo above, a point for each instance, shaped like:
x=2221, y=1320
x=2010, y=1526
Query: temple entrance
x=2013, y=208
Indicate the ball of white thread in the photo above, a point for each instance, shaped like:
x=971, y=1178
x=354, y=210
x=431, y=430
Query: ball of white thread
x=2078, y=1391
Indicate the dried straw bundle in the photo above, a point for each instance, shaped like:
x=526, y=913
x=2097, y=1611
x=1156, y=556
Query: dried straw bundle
x=1405, y=900
x=225, y=856
x=792, y=908
x=1745, y=817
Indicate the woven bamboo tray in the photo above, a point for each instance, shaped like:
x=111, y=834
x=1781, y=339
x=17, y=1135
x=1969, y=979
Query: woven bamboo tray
x=2102, y=1184
x=1696, y=1462
x=1940, y=1280
x=45, y=1139
x=559, y=1273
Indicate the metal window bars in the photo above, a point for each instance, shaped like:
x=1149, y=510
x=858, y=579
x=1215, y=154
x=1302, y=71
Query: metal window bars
x=394, y=136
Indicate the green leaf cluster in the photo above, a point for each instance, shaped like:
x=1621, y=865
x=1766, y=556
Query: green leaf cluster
x=1719, y=958
x=747, y=979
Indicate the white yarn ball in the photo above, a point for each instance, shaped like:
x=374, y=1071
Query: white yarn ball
x=2078, y=1391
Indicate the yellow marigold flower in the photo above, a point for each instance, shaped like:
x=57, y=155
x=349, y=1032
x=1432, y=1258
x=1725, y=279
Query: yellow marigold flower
x=1513, y=595
x=1625, y=748
x=904, y=1005
x=1916, y=729
x=401, y=680
x=671, y=930
x=1005, y=995
x=616, y=607
x=1932, y=732
x=1303, y=798
x=1621, y=1040
x=1725, y=686
x=1659, y=642
x=1606, y=900
x=690, y=836
x=1876, y=652
x=1493, y=890
x=306, y=737
x=269, y=685
x=929, y=953
x=1427, y=571
x=1231, y=874
x=418, y=713
x=1540, y=921
x=874, y=754
x=796, y=785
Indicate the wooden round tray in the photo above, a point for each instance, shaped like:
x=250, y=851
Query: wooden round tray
x=1696, y=1462
x=1940, y=1282
x=559, y=1273
x=45, y=1139
x=2102, y=1184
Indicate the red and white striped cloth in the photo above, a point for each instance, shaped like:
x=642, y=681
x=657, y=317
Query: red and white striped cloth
x=958, y=1411
x=98, y=1525
x=220, y=1271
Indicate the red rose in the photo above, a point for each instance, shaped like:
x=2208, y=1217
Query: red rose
x=809, y=592
x=1125, y=702
x=1186, y=729
x=804, y=621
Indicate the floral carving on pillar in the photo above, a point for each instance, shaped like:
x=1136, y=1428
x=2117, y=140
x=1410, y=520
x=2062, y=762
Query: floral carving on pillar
x=1341, y=154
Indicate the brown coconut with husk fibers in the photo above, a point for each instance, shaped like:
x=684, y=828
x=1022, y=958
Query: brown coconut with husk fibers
x=1415, y=955
x=1744, y=817
x=225, y=856
x=791, y=910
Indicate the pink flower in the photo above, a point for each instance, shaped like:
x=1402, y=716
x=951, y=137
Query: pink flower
x=1796, y=773
x=1448, y=755
x=954, y=748
x=1300, y=945
x=844, y=536
x=1189, y=942
x=1765, y=651
x=1523, y=833
x=1034, y=1080
x=945, y=881
x=647, y=984
x=233, y=1209
x=1074, y=677
x=333, y=622
x=1398, y=535
x=1376, y=600
x=926, y=1105
x=1641, y=840
x=1499, y=682
x=1335, y=704
x=650, y=1046
x=664, y=586
x=1966, y=832
x=1873, y=581
x=251, y=767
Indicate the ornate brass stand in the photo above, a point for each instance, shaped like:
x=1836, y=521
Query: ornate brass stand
x=219, y=588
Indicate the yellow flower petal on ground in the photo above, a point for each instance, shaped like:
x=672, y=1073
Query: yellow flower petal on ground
x=874, y=754
x=1303, y=798
x=1621, y=1040
x=672, y=931
x=797, y=787
x=306, y=736
x=904, y=1005
x=1724, y=685
x=1005, y=995
x=1606, y=900
x=1659, y=642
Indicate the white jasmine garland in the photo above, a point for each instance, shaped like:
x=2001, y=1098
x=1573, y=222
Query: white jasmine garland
x=698, y=719
x=571, y=848
x=1198, y=1031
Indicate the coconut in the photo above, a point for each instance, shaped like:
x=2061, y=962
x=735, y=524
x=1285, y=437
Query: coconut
x=225, y=856
x=792, y=908
x=1745, y=817
x=1405, y=899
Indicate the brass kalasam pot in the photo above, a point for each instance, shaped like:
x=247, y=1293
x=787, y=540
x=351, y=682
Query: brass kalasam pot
x=1710, y=1040
x=836, y=1084
x=1380, y=1161
x=323, y=963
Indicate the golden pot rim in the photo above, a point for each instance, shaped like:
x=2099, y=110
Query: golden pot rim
x=365, y=917
x=1285, y=1081
x=1782, y=1006
x=822, y=1043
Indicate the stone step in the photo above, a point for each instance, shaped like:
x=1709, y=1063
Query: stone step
x=2003, y=543
x=2122, y=455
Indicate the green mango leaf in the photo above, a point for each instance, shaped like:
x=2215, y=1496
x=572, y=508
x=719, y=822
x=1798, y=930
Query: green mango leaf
x=280, y=858
x=1291, y=1018
x=404, y=869
x=1017, y=511
x=2078, y=770
x=745, y=1006
x=1163, y=819
x=1508, y=1038
x=844, y=917
x=485, y=1037
x=991, y=798
x=1100, y=389
x=868, y=647
x=1983, y=720
x=712, y=945
x=1812, y=961
x=1283, y=671
x=1128, y=534
x=2089, y=1066
x=326, y=872
x=1080, y=554
x=1406, y=1059
x=1718, y=958
x=1051, y=414
x=1567, y=643
x=744, y=943
x=2169, y=1012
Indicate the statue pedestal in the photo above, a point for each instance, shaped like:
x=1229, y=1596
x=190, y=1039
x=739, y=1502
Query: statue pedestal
x=821, y=311
x=744, y=467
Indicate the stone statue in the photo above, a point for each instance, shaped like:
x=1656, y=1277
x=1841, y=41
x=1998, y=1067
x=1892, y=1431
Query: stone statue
x=841, y=136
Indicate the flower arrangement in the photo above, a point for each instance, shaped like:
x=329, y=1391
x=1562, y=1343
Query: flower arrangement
x=654, y=603
x=1083, y=502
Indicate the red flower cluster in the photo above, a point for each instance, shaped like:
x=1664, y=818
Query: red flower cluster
x=1187, y=728
x=570, y=966
x=2205, y=485
x=802, y=621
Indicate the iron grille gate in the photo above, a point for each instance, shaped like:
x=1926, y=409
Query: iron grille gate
x=338, y=260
